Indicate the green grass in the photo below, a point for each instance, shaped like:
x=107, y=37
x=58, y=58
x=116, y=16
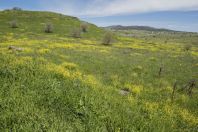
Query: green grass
x=32, y=24
x=60, y=83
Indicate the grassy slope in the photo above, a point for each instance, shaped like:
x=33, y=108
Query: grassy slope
x=59, y=83
x=32, y=23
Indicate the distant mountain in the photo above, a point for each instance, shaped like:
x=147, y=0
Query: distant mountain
x=145, y=28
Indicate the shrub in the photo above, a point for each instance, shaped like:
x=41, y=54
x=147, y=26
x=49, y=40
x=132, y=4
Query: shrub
x=76, y=33
x=84, y=27
x=48, y=28
x=108, y=38
x=187, y=47
x=13, y=24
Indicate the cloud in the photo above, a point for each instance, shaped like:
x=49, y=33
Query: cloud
x=104, y=7
x=115, y=7
x=93, y=8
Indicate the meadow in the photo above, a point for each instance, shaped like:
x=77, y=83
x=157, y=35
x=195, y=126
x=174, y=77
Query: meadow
x=60, y=83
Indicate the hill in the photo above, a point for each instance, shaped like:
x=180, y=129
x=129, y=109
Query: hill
x=145, y=28
x=55, y=82
x=33, y=23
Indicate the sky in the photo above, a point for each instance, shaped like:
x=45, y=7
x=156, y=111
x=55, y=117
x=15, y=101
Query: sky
x=179, y=15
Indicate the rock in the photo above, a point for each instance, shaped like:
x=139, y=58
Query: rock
x=124, y=92
x=15, y=48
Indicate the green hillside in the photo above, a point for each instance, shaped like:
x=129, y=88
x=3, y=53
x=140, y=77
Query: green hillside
x=54, y=82
x=32, y=23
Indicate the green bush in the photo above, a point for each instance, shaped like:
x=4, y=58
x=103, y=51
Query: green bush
x=107, y=39
x=76, y=33
x=84, y=27
x=13, y=24
x=48, y=28
x=187, y=47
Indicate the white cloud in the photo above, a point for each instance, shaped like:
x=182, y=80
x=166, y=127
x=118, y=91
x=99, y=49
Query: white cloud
x=114, y=7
